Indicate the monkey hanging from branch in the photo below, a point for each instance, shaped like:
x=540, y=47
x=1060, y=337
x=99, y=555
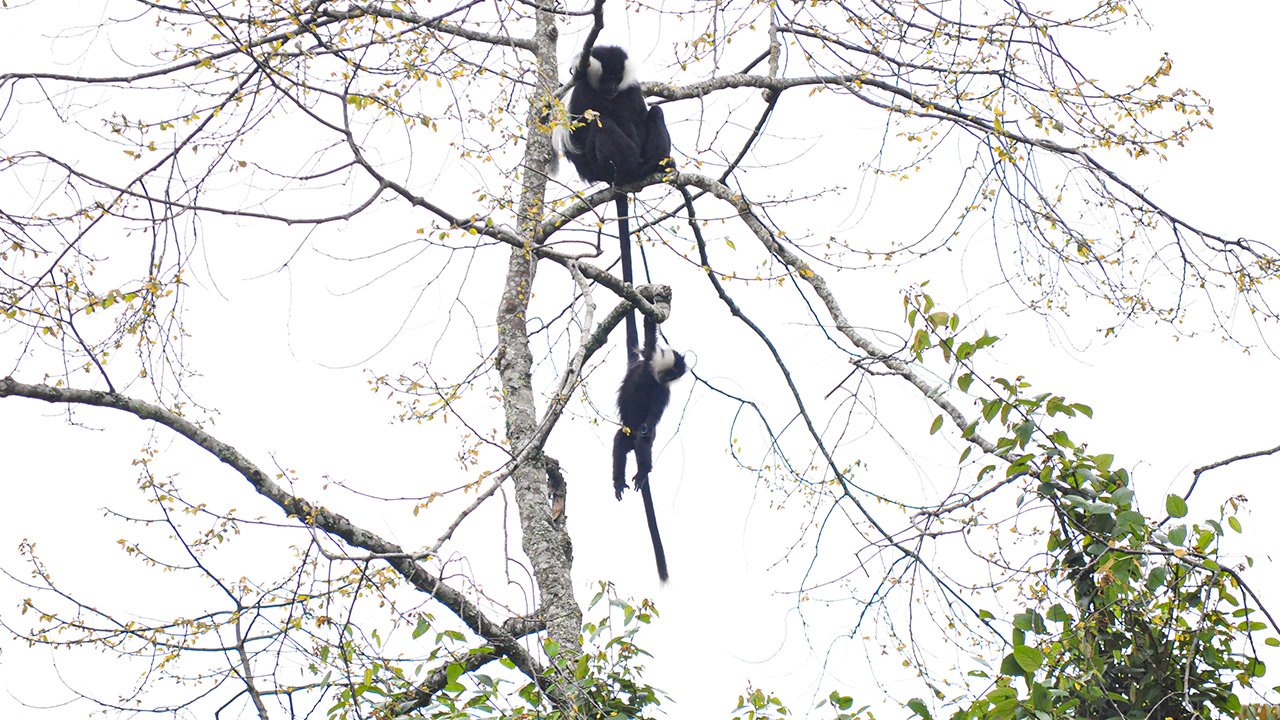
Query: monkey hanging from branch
x=618, y=139
x=642, y=398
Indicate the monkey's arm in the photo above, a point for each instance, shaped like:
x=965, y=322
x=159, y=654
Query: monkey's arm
x=650, y=340
x=657, y=141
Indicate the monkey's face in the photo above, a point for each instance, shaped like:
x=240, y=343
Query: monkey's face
x=607, y=80
x=668, y=365
x=609, y=70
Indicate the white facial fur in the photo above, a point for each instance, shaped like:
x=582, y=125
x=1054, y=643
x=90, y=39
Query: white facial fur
x=593, y=70
x=663, y=360
x=629, y=75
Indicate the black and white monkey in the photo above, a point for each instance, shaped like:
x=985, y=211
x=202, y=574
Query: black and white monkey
x=642, y=398
x=617, y=138
x=625, y=139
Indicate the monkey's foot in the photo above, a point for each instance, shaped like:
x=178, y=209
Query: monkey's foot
x=617, y=490
x=640, y=482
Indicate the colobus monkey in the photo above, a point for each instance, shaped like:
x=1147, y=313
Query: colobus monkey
x=626, y=139
x=642, y=398
x=623, y=142
x=618, y=139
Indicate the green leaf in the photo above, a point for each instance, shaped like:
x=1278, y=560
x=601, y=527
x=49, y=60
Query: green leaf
x=422, y=627
x=1130, y=521
x=1055, y=406
x=937, y=425
x=1058, y=614
x=1041, y=701
x=1024, y=433
x=920, y=342
x=1028, y=658
x=919, y=708
x=1030, y=621
x=1178, y=535
x=1235, y=524
x=1156, y=577
x=1010, y=666
x=990, y=409
x=452, y=673
x=1175, y=506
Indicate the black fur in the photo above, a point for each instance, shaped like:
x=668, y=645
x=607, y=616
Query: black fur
x=618, y=139
x=624, y=141
x=627, y=139
x=642, y=398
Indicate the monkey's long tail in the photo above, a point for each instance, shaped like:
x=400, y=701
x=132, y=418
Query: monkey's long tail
x=624, y=247
x=658, y=553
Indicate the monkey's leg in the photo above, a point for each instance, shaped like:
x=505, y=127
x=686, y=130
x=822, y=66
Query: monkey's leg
x=611, y=147
x=621, y=446
x=644, y=459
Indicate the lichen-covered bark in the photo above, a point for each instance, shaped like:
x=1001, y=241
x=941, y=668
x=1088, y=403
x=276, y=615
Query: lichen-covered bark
x=545, y=542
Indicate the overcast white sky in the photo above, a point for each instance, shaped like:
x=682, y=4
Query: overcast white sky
x=1163, y=404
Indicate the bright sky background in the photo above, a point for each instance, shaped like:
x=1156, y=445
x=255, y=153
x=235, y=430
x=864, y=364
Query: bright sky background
x=284, y=356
